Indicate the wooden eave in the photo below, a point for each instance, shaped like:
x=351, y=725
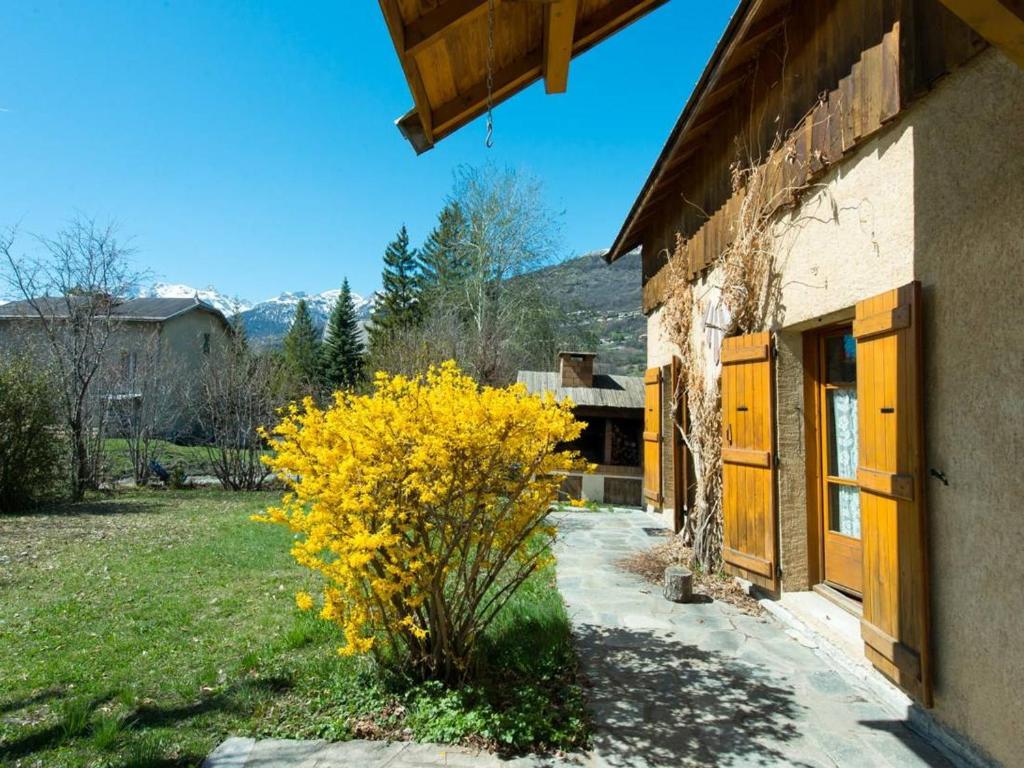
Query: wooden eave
x=443, y=49
x=1001, y=22
x=751, y=26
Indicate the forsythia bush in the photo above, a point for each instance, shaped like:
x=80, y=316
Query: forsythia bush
x=423, y=505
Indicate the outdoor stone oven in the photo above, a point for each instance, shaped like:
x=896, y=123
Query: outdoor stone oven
x=613, y=408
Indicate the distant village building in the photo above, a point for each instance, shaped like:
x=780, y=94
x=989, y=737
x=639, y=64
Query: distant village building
x=613, y=409
x=169, y=338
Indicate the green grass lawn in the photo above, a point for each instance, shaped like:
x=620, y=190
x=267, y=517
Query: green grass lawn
x=194, y=459
x=143, y=629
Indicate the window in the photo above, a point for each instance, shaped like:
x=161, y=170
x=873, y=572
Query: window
x=129, y=361
x=206, y=343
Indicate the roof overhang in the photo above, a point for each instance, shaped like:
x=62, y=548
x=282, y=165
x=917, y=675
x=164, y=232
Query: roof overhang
x=753, y=23
x=1001, y=22
x=444, y=49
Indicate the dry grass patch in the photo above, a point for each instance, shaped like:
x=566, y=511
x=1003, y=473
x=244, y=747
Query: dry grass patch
x=650, y=564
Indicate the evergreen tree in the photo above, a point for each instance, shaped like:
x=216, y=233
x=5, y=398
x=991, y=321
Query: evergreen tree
x=443, y=262
x=342, y=356
x=301, y=356
x=398, y=307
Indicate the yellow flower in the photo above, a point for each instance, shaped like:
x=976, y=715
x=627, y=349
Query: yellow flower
x=380, y=484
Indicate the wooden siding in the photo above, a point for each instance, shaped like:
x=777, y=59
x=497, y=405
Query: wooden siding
x=623, y=491
x=748, y=473
x=890, y=475
x=833, y=72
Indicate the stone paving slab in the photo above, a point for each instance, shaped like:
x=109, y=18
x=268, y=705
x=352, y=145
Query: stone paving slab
x=284, y=753
x=703, y=684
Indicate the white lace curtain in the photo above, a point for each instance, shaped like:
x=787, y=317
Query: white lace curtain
x=845, y=499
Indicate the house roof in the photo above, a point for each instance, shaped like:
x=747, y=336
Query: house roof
x=444, y=49
x=752, y=24
x=133, y=310
x=609, y=391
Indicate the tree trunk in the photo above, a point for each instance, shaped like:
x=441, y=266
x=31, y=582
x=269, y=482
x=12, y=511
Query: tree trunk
x=80, y=459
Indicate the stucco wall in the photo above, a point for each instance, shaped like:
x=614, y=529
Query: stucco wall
x=183, y=357
x=852, y=239
x=969, y=255
x=183, y=336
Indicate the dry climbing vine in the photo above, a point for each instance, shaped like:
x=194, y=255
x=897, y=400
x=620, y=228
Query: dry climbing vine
x=745, y=280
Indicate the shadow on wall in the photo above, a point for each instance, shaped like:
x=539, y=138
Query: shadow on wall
x=668, y=704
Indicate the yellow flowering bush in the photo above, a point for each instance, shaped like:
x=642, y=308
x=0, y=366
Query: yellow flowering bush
x=423, y=505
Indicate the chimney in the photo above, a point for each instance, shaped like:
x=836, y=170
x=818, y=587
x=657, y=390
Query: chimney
x=576, y=369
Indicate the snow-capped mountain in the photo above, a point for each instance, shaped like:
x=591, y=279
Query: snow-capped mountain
x=267, y=322
x=227, y=304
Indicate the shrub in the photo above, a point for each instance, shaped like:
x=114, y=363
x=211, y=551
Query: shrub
x=31, y=449
x=424, y=506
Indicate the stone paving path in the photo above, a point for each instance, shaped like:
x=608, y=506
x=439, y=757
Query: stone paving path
x=700, y=684
x=703, y=684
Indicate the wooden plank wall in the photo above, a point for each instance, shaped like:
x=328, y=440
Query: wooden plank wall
x=834, y=74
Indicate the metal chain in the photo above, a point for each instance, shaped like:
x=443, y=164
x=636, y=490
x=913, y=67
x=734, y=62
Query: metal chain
x=489, y=141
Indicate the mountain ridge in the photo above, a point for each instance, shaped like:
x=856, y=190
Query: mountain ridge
x=605, y=299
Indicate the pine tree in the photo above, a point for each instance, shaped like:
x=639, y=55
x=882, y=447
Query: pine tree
x=443, y=261
x=301, y=355
x=342, y=356
x=397, y=308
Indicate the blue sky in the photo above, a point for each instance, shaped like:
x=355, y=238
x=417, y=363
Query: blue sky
x=249, y=145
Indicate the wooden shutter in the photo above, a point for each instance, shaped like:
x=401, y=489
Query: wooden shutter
x=652, y=436
x=890, y=475
x=748, y=468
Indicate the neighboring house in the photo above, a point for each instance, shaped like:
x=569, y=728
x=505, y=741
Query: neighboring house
x=157, y=349
x=873, y=433
x=613, y=409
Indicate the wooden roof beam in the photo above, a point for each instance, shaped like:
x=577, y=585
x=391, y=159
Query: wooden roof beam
x=473, y=103
x=612, y=18
x=429, y=27
x=559, y=34
x=760, y=31
x=1001, y=22
x=425, y=130
x=425, y=125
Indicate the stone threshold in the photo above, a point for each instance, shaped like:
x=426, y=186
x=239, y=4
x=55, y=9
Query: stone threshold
x=952, y=746
x=242, y=752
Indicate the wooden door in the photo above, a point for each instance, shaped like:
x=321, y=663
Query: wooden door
x=680, y=453
x=748, y=467
x=652, y=436
x=838, y=443
x=890, y=476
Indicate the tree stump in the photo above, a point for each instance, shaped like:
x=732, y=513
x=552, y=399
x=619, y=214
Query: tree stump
x=678, y=584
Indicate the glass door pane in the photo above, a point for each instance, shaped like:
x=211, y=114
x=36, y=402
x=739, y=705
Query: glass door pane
x=844, y=509
x=842, y=432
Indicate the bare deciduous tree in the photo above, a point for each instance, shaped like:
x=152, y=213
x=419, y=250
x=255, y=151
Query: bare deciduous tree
x=72, y=290
x=508, y=233
x=236, y=397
